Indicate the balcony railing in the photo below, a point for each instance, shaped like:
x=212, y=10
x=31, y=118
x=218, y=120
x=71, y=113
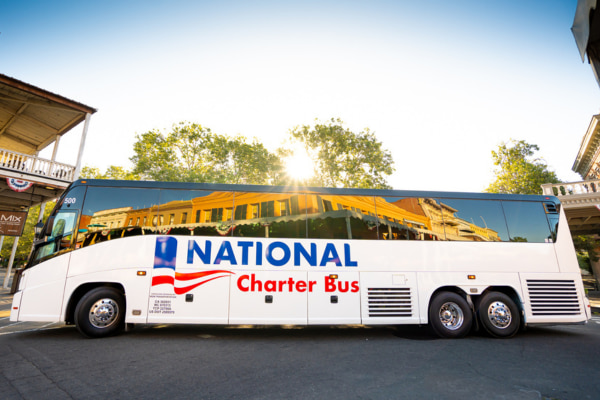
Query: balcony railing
x=36, y=166
x=572, y=188
x=575, y=195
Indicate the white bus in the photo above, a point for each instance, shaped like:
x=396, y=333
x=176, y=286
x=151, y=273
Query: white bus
x=122, y=252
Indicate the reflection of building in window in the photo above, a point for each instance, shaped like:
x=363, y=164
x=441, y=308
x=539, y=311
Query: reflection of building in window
x=108, y=218
x=301, y=215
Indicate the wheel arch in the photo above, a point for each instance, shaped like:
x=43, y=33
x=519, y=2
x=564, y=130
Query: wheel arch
x=82, y=290
x=514, y=296
x=449, y=288
x=507, y=290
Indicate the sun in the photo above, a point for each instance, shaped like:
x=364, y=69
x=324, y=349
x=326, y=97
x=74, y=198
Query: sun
x=299, y=166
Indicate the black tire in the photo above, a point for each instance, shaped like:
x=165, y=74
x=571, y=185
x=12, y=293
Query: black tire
x=450, y=315
x=100, y=312
x=498, y=315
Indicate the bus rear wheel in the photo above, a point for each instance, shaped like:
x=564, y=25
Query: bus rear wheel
x=498, y=315
x=100, y=312
x=450, y=315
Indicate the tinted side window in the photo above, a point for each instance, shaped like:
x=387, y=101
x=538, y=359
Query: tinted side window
x=110, y=213
x=341, y=217
x=527, y=222
x=409, y=218
x=474, y=220
x=212, y=211
x=273, y=215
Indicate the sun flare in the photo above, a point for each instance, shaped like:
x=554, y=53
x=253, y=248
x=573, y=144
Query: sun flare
x=299, y=166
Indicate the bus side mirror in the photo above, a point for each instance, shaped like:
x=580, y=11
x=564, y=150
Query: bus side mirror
x=49, y=226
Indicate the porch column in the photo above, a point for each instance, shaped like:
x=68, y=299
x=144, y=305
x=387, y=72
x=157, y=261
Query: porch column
x=55, y=150
x=10, y=262
x=82, y=146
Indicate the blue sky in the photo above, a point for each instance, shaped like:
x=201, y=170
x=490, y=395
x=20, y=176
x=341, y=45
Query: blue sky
x=441, y=83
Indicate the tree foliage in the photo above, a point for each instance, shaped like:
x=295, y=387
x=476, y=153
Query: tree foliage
x=342, y=158
x=518, y=171
x=193, y=153
x=587, y=247
x=112, y=172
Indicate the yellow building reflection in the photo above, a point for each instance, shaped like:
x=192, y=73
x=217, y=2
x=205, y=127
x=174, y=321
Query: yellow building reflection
x=303, y=214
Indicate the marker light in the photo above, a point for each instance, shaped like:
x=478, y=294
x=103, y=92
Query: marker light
x=141, y=273
x=471, y=276
x=333, y=276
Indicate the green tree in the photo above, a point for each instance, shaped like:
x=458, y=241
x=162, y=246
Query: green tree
x=518, y=171
x=112, y=172
x=587, y=254
x=342, y=158
x=193, y=153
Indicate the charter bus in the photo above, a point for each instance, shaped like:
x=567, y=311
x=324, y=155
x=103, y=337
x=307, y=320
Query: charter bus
x=114, y=253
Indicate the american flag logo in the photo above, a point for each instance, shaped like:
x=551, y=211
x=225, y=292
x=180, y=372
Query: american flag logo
x=164, y=272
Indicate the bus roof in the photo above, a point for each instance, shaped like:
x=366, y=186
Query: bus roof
x=305, y=189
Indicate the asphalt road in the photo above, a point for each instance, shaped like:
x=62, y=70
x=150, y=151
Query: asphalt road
x=210, y=362
x=53, y=361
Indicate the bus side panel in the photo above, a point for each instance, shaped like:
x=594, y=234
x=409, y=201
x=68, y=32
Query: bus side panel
x=554, y=298
x=207, y=303
x=389, y=298
x=565, y=251
x=135, y=287
x=335, y=298
x=42, y=298
x=117, y=262
x=429, y=282
x=269, y=297
x=469, y=257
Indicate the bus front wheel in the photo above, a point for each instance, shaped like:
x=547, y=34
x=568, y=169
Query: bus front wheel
x=450, y=315
x=499, y=315
x=100, y=312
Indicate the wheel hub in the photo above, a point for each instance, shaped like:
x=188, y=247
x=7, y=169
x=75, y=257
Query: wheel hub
x=451, y=316
x=103, y=313
x=499, y=315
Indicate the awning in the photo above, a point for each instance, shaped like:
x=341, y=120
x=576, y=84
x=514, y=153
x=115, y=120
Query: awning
x=581, y=25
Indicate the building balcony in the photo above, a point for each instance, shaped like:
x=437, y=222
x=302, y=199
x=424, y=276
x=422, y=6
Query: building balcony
x=581, y=202
x=31, y=168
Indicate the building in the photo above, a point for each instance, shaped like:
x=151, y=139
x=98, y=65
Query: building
x=32, y=119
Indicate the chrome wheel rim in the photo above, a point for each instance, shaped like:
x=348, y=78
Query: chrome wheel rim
x=451, y=316
x=499, y=315
x=104, y=313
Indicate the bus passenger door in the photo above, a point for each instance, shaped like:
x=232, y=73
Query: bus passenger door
x=334, y=298
x=389, y=298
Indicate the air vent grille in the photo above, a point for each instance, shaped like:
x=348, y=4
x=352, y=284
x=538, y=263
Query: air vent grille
x=550, y=208
x=390, y=302
x=550, y=297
